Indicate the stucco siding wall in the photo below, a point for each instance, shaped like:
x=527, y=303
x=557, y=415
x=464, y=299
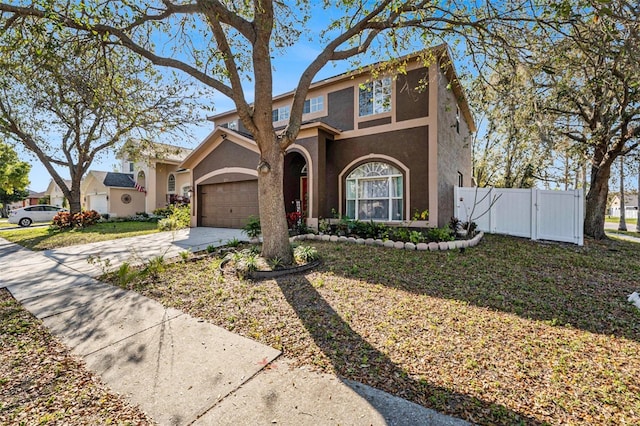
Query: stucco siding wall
x=407, y=146
x=454, y=151
x=228, y=154
x=118, y=208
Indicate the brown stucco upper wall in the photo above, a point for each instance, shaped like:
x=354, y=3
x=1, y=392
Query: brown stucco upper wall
x=373, y=123
x=407, y=146
x=227, y=177
x=340, y=109
x=227, y=154
x=454, y=151
x=412, y=95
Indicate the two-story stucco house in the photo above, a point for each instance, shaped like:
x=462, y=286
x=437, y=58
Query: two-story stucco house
x=159, y=172
x=372, y=147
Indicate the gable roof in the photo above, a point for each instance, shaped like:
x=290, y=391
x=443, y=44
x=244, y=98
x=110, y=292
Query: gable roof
x=120, y=180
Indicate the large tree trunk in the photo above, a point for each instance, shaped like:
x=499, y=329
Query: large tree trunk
x=596, y=205
x=273, y=220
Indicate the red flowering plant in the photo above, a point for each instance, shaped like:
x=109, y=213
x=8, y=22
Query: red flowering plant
x=65, y=220
x=293, y=219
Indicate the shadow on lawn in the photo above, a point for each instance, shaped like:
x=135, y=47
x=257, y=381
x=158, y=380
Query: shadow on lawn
x=584, y=287
x=355, y=359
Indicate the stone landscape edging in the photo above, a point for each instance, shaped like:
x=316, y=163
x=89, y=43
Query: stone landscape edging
x=399, y=245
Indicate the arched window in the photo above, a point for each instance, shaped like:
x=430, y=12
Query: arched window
x=375, y=192
x=171, y=184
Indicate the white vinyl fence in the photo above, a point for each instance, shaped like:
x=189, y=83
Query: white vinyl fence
x=530, y=213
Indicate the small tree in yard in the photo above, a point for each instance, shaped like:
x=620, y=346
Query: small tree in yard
x=224, y=45
x=69, y=99
x=14, y=178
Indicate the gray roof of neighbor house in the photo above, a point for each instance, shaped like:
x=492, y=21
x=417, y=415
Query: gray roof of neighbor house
x=121, y=180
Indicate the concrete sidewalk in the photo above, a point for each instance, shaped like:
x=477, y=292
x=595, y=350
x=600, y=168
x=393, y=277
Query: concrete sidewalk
x=179, y=369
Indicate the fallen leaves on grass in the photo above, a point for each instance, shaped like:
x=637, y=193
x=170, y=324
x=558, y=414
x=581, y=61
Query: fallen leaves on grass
x=510, y=332
x=41, y=383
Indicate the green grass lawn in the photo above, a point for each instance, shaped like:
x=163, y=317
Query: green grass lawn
x=509, y=332
x=4, y=223
x=629, y=222
x=44, y=238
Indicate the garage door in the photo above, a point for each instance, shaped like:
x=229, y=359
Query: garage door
x=98, y=203
x=228, y=205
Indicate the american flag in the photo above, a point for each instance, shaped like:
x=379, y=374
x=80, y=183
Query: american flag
x=137, y=186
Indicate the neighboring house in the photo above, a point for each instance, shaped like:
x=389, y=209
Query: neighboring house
x=32, y=200
x=369, y=148
x=630, y=206
x=160, y=174
x=56, y=197
x=112, y=193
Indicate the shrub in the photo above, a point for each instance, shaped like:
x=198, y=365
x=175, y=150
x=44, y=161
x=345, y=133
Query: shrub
x=417, y=237
x=179, y=218
x=305, y=254
x=233, y=242
x=440, y=234
x=66, y=220
x=252, y=227
x=163, y=212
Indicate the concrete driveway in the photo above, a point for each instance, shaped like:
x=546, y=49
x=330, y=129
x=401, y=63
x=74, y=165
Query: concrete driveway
x=137, y=250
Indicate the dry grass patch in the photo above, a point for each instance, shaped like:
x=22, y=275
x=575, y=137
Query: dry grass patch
x=511, y=332
x=41, y=383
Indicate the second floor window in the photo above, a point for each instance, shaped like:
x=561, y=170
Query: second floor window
x=375, y=97
x=313, y=105
x=280, y=114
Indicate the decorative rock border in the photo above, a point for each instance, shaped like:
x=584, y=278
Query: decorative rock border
x=399, y=245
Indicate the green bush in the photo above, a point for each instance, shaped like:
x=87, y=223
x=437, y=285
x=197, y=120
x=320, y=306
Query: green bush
x=179, y=218
x=440, y=234
x=252, y=227
x=305, y=254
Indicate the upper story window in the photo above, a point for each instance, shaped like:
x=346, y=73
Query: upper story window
x=131, y=166
x=375, y=97
x=280, y=114
x=171, y=183
x=313, y=105
x=232, y=125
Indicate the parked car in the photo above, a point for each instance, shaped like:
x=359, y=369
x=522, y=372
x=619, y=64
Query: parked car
x=31, y=214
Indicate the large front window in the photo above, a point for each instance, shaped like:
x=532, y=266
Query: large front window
x=375, y=97
x=374, y=192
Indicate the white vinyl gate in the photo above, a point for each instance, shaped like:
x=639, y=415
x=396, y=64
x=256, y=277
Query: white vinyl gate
x=531, y=213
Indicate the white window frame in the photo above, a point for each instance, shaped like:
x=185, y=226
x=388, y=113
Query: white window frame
x=389, y=199
x=377, y=94
x=281, y=113
x=313, y=105
x=231, y=125
x=169, y=181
